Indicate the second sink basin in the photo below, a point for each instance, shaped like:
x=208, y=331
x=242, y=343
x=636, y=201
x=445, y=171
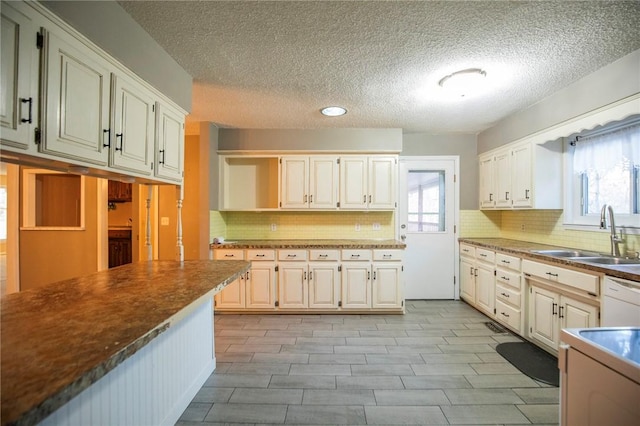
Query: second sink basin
x=605, y=260
x=567, y=253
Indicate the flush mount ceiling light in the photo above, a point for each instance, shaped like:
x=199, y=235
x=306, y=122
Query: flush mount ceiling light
x=465, y=82
x=333, y=111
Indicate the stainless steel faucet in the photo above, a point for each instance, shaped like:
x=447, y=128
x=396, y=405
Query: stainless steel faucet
x=615, y=239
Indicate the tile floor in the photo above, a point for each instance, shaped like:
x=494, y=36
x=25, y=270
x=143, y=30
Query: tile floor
x=434, y=365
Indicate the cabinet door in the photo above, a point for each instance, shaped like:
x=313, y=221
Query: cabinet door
x=382, y=183
x=324, y=285
x=169, y=143
x=132, y=141
x=485, y=289
x=467, y=281
x=323, y=182
x=543, y=316
x=76, y=88
x=292, y=285
x=386, y=285
x=521, y=177
x=18, y=78
x=232, y=296
x=295, y=182
x=502, y=183
x=356, y=286
x=487, y=196
x=353, y=182
x=575, y=314
x=260, y=285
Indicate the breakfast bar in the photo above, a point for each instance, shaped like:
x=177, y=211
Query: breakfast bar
x=128, y=345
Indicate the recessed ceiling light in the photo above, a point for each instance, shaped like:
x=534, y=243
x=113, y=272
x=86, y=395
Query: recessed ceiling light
x=333, y=111
x=464, y=82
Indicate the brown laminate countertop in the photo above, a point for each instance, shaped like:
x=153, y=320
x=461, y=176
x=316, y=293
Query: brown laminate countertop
x=525, y=249
x=59, y=339
x=311, y=244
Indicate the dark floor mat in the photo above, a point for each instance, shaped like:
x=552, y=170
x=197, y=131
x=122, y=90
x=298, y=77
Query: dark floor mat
x=532, y=361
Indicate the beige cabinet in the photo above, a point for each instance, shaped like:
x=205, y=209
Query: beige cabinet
x=387, y=285
x=368, y=182
x=324, y=285
x=510, y=175
x=260, y=282
x=293, y=275
x=477, y=278
x=233, y=295
x=18, y=79
x=550, y=311
x=356, y=279
x=131, y=143
x=309, y=182
x=509, y=296
x=169, y=143
x=76, y=97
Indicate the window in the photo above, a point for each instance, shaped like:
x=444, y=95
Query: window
x=603, y=167
x=426, y=201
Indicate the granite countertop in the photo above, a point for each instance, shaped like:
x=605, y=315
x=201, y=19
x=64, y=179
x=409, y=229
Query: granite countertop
x=525, y=249
x=59, y=339
x=311, y=244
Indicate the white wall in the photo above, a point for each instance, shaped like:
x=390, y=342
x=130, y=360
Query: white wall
x=337, y=140
x=109, y=26
x=611, y=83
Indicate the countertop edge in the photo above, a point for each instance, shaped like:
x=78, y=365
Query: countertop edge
x=311, y=244
x=524, y=250
x=50, y=404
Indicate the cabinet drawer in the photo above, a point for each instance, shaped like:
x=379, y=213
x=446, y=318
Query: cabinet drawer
x=390, y=255
x=261, y=254
x=508, y=315
x=511, y=279
x=467, y=250
x=356, y=255
x=485, y=255
x=568, y=277
x=506, y=261
x=226, y=254
x=324, y=255
x=292, y=255
x=508, y=295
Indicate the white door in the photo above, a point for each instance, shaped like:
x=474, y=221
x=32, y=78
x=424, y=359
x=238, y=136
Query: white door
x=428, y=215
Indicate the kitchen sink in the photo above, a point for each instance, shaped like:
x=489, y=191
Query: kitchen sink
x=624, y=341
x=566, y=253
x=607, y=260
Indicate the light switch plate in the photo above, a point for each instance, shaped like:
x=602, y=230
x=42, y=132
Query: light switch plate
x=164, y=221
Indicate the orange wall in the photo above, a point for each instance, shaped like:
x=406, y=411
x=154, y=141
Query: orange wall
x=195, y=211
x=47, y=256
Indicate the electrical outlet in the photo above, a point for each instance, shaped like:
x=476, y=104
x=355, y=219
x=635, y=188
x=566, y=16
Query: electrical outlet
x=274, y=227
x=164, y=221
x=376, y=226
x=357, y=226
x=522, y=227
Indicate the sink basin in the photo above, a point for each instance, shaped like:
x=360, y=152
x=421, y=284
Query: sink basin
x=624, y=342
x=605, y=260
x=566, y=253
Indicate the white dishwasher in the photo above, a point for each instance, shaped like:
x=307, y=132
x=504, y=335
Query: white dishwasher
x=621, y=303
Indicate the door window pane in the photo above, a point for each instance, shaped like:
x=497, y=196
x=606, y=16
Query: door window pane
x=426, y=201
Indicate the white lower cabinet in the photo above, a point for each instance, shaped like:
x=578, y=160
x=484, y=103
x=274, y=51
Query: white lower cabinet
x=293, y=271
x=386, y=285
x=477, y=278
x=324, y=285
x=356, y=279
x=260, y=282
x=550, y=311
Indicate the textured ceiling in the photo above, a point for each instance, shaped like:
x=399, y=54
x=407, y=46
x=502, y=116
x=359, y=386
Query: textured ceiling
x=274, y=64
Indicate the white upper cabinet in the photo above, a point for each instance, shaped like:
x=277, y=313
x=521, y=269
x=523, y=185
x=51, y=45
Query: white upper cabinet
x=76, y=96
x=522, y=175
x=487, y=196
x=18, y=79
x=309, y=182
x=368, y=182
x=132, y=137
x=169, y=143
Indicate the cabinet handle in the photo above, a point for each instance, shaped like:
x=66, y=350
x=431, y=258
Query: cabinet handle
x=490, y=197
x=526, y=194
x=374, y=275
x=505, y=278
x=311, y=198
x=229, y=255
x=323, y=255
x=118, y=135
x=506, y=196
x=259, y=255
x=475, y=272
x=108, y=132
x=386, y=256
x=365, y=199
x=355, y=256
x=369, y=198
x=561, y=312
x=483, y=255
x=247, y=277
x=553, y=309
x=292, y=255
x=161, y=152
x=504, y=314
x=29, y=101
x=304, y=277
x=551, y=274
x=305, y=199
x=310, y=275
x=471, y=271
x=506, y=261
x=505, y=295
x=368, y=275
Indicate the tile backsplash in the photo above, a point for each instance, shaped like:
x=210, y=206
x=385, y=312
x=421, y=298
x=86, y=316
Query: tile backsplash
x=302, y=225
x=539, y=226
